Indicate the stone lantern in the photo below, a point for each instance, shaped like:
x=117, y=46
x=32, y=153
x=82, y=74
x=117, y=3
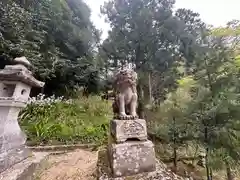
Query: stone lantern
x=16, y=82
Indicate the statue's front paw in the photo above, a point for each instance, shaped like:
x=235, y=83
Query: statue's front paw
x=122, y=114
x=134, y=114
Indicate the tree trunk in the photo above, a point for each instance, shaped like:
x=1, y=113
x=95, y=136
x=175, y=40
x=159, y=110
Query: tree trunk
x=106, y=77
x=211, y=174
x=174, y=146
x=207, y=152
x=205, y=124
x=229, y=172
x=140, y=109
x=175, y=158
x=206, y=165
x=150, y=88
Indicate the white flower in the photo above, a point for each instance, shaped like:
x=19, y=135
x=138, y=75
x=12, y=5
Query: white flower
x=42, y=100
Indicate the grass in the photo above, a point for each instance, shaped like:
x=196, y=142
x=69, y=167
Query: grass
x=84, y=120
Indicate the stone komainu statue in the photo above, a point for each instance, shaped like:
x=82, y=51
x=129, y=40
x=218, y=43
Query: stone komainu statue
x=125, y=103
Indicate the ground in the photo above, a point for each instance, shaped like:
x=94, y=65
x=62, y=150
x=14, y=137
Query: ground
x=81, y=165
x=75, y=165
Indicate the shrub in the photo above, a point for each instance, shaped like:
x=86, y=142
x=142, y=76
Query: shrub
x=55, y=120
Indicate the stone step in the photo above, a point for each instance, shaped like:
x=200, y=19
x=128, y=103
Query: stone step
x=13, y=156
x=25, y=170
x=63, y=147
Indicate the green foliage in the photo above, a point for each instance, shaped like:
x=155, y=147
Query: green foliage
x=82, y=121
x=204, y=108
x=148, y=35
x=173, y=122
x=57, y=37
x=195, y=69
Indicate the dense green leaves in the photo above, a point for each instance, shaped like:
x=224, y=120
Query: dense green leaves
x=148, y=35
x=54, y=35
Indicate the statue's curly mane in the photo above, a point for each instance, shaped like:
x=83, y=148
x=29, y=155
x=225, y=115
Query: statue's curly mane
x=125, y=77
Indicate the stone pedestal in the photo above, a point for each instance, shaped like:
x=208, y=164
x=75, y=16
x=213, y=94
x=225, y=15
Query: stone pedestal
x=161, y=172
x=131, y=158
x=123, y=130
x=12, y=139
x=15, y=86
x=129, y=150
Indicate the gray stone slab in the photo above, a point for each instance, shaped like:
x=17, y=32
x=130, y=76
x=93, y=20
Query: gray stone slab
x=26, y=169
x=132, y=158
x=13, y=156
x=122, y=130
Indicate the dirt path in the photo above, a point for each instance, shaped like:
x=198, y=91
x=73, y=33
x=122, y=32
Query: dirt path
x=76, y=165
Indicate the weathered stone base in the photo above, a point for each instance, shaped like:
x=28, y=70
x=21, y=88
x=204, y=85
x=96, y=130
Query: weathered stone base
x=13, y=156
x=131, y=158
x=122, y=130
x=25, y=170
x=161, y=173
